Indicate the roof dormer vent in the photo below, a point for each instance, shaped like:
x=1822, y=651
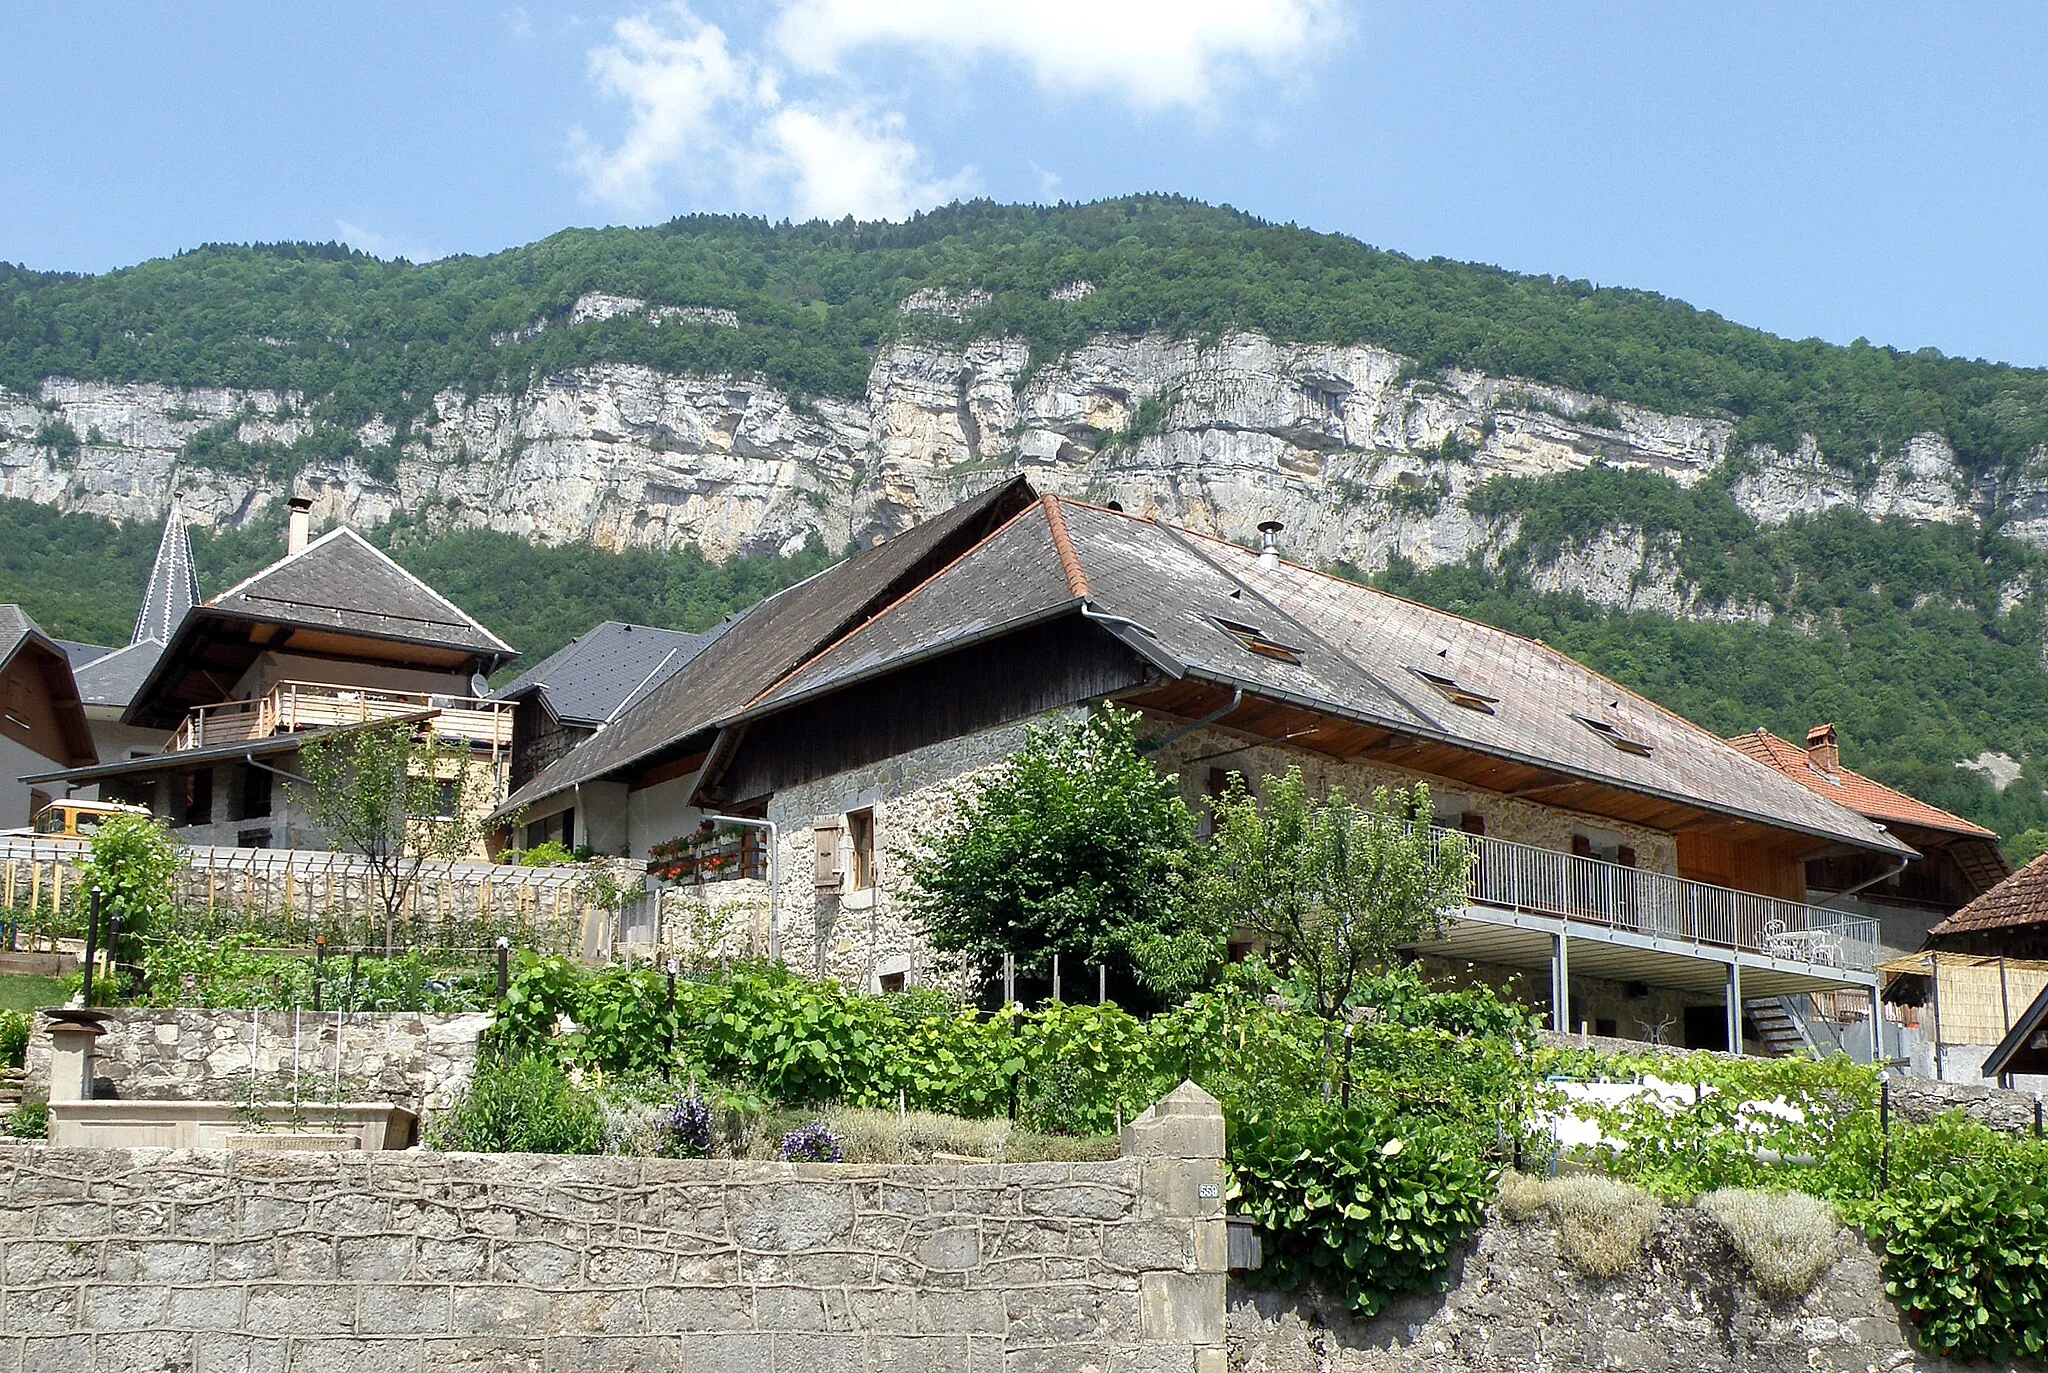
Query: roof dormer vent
x=1269, y=545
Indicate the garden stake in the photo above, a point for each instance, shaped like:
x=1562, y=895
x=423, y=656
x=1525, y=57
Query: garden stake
x=1344, y=1096
x=319, y=959
x=92, y=945
x=2037, y=1117
x=504, y=955
x=1884, y=1129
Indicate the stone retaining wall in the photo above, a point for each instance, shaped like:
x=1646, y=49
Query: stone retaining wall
x=159, y=1259
x=414, y=1059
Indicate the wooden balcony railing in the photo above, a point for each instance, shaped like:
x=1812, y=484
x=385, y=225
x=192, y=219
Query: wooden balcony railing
x=1521, y=877
x=290, y=706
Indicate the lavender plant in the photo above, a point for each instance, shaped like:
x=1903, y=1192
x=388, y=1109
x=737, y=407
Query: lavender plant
x=684, y=1130
x=813, y=1143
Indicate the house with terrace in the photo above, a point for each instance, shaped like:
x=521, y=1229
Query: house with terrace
x=332, y=636
x=1640, y=875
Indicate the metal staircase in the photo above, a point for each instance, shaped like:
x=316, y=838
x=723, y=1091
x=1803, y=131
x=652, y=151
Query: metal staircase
x=1787, y=1026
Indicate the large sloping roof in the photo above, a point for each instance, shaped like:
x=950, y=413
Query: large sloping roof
x=21, y=637
x=2019, y=901
x=772, y=640
x=112, y=679
x=173, y=584
x=590, y=677
x=1852, y=789
x=340, y=582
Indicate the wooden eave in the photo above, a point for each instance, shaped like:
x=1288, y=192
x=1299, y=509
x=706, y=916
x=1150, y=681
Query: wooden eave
x=1260, y=720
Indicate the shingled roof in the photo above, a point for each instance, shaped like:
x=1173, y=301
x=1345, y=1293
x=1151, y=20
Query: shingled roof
x=589, y=678
x=1859, y=793
x=771, y=641
x=2019, y=902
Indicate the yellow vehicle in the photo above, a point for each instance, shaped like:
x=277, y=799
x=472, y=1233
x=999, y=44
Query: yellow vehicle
x=78, y=819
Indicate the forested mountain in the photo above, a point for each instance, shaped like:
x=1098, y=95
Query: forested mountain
x=1749, y=529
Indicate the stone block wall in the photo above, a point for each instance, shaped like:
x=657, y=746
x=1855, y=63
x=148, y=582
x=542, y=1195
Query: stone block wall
x=285, y=1262
x=414, y=1059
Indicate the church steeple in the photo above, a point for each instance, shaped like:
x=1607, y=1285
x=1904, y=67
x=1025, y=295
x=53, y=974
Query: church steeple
x=173, y=586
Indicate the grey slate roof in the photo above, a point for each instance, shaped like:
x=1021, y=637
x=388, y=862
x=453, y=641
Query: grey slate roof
x=340, y=582
x=81, y=654
x=173, y=584
x=113, y=678
x=588, y=679
x=773, y=639
x=16, y=628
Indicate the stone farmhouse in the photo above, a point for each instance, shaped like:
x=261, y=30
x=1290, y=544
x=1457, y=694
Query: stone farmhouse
x=1651, y=876
x=332, y=636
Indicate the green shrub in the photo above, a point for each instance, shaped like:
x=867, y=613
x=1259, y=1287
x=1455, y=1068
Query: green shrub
x=31, y=1120
x=1367, y=1206
x=525, y=1106
x=14, y=1032
x=551, y=854
x=1787, y=1238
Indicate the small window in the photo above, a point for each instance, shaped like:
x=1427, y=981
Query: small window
x=860, y=839
x=252, y=839
x=1614, y=736
x=255, y=795
x=1456, y=692
x=1254, y=640
x=447, y=800
x=894, y=982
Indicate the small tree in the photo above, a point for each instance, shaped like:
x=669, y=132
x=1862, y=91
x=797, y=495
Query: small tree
x=1076, y=845
x=133, y=864
x=398, y=795
x=1330, y=889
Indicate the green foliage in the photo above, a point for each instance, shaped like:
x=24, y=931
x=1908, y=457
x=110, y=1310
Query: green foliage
x=357, y=335
x=1963, y=1234
x=181, y=968
x=31, y=1120
x=60, y=438
x=1077, y=845
x=1331, y=889
x=523, y=1106
x=551, y=853
x=14, y=1032
x=133, y=865
x=1361, y=1201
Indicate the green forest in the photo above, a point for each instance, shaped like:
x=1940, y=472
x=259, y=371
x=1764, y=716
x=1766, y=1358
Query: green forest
x=357, y=335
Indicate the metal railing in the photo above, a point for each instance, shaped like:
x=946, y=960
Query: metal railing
x=1590, y=891
x=292, y=706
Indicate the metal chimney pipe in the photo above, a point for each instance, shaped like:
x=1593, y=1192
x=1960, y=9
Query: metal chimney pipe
x=301, y=525
x=1269, y=545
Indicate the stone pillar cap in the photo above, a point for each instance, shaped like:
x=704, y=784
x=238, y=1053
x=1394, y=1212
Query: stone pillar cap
x=77, y=1020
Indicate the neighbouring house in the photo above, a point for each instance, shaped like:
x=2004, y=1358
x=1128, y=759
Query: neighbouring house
x=1956, y=863
x=570, y=694
x=108, y=678
x=334, y=635
x=41, y=720
x=1650, y=875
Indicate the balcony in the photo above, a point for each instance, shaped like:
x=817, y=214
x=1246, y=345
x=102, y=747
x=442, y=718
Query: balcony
x=291, y=706
x=1656, y=911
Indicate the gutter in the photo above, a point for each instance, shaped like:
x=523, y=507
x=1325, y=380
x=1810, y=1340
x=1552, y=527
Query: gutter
x=1881, y=877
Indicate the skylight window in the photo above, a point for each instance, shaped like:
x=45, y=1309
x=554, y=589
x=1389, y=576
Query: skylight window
x=1456, y=692
x=1614, y=736
x=1254, y=640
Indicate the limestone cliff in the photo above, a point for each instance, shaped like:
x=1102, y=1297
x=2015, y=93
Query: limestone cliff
x=1357, y=453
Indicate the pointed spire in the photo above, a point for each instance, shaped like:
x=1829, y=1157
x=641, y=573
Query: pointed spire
x=173, y=586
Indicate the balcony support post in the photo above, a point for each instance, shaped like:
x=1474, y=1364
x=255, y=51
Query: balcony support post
x=1734, y=1007
x=1560, y=983
x=1877, y=1026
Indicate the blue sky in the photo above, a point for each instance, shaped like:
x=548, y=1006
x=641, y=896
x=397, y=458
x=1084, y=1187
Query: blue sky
x=1873, y=171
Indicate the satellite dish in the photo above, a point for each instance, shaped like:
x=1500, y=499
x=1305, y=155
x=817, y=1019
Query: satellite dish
x=479, y=685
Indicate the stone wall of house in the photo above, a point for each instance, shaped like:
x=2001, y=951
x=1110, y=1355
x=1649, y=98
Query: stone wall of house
x=1686, y=1307
x=127, y=1259
x=417, y=1060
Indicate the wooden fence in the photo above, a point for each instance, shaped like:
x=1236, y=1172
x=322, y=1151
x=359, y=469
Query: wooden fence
x=291, y=897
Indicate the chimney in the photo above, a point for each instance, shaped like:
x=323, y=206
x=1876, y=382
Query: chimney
x=1822, y=748
x=301, y=525
x=1269, y=544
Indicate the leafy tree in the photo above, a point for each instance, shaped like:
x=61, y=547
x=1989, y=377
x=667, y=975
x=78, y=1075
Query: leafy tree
x=133, y=865
x=1077, y=845
x=398, y=795
x=1332, y=890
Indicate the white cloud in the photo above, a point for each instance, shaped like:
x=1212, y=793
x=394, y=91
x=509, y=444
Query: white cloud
x=716, y=120
x=1151, y=53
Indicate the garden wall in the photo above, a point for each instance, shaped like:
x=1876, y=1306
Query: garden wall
x=157, y=1259
x=417, y=1060
x=1685, y=1307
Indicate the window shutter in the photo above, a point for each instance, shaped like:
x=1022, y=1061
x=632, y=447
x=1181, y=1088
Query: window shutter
x=825, y=830
x=1625, y=856
x=1582, y=846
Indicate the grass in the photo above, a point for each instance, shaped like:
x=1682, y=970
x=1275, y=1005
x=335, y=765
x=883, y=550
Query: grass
x=1788, y=1239
x=31, y=993
x=1602, y=1225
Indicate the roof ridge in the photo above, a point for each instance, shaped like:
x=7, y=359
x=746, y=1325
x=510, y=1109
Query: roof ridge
x=1063, y=543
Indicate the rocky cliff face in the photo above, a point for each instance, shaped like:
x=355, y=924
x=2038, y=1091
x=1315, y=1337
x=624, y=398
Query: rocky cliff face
x=1358, y=455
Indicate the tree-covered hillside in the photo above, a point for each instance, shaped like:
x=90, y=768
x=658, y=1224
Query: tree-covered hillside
x=361, y=336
